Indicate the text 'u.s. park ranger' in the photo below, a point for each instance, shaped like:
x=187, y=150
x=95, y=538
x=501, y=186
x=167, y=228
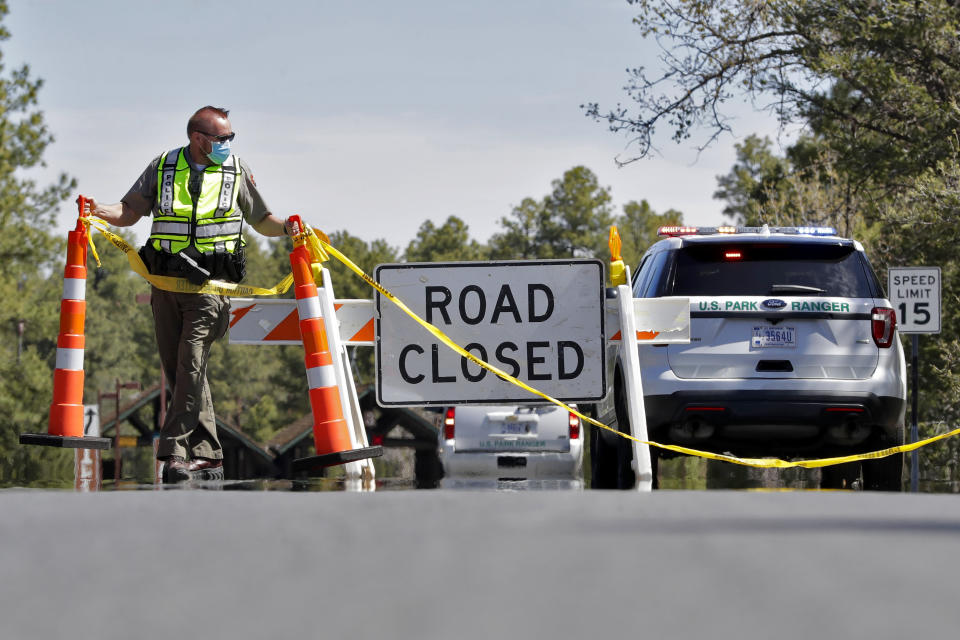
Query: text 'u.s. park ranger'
x=199, y=196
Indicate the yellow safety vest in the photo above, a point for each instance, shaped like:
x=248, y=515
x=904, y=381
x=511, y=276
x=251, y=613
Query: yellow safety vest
x=212, y=223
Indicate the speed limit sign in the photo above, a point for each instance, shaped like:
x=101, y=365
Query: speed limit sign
x=915, y=294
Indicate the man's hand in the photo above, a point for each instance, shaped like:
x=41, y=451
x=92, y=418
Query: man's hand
x=89, y=206
x=119, y=214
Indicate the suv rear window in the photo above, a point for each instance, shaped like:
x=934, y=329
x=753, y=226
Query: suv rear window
x=781, y=269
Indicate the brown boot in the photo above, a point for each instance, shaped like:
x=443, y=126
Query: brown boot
x=205, y=469
x=175, y=469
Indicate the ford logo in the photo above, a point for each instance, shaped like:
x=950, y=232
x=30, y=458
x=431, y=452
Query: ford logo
x=773, y=303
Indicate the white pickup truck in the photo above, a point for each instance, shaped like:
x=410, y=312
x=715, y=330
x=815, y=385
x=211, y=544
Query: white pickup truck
x=510, y=443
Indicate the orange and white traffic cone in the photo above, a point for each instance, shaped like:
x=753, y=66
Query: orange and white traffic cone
x=331, y=433
x=65, y=427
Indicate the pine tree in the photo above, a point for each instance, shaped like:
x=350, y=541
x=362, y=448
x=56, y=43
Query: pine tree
x=31, y=255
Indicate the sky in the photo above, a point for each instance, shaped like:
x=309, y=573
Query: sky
x=370, y=117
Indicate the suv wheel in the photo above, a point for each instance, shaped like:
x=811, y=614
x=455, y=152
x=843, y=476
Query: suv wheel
x=626, y=478
x=840, y=476
x=885, y=474
x=603, y=461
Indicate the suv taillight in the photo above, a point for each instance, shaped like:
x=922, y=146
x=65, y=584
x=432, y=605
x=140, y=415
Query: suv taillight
x=574, y=426
x=884, y=325
x=449, y=420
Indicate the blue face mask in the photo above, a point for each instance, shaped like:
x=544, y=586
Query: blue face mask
x=219, y=152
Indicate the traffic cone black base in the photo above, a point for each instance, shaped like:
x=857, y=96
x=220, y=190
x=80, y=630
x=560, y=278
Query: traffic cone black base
x=318, y=463
x=66, y=442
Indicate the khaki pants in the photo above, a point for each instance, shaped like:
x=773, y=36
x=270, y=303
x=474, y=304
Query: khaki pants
x=186, y=325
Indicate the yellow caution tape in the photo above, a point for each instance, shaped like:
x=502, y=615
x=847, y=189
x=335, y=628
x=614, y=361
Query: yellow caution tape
x=320, y=249
x=764, y=463
x=93, y=247
x=315, y=244
x=181, y=285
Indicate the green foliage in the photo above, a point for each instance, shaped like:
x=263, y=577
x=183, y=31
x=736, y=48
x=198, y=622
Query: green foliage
x=638, y=228
x=577, y=216
x=920, y=228
x=752, y=182
x=573, y=220
x=877, y=77
x=807, y=186
x=366, y=256
x=27, y=212
x=29, y=253
x=450, y=242
x=25, y=392
x=939, y=466
x=520, y=237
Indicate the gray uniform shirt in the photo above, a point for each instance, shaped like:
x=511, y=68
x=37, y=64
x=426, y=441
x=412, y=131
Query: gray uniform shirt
x=142, y=196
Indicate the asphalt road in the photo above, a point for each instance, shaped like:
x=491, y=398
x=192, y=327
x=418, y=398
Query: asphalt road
x=449, y=564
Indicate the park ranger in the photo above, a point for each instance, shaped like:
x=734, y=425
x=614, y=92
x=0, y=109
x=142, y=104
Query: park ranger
x=199, y=195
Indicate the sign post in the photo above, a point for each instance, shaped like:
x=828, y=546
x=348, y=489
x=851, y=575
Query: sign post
x=87, y=470
x=915, y=295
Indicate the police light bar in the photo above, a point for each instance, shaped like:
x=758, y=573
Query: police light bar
x=675, y=231
x=817, y=231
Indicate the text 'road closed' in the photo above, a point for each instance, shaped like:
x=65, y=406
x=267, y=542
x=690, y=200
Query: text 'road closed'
x=539, y=321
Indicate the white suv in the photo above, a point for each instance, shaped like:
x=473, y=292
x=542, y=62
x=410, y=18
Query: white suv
x=794, y=352
x=492, y=443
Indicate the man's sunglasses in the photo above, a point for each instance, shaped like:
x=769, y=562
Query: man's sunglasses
x=224, y=138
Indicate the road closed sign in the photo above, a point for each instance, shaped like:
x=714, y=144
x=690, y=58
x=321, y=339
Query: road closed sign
x=539, y=321
x=915, y=295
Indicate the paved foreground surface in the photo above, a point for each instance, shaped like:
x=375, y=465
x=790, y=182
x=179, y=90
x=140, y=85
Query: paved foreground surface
x=446, y=564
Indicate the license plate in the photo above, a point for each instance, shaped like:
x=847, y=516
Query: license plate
x=515, y=428
x=773, y=337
